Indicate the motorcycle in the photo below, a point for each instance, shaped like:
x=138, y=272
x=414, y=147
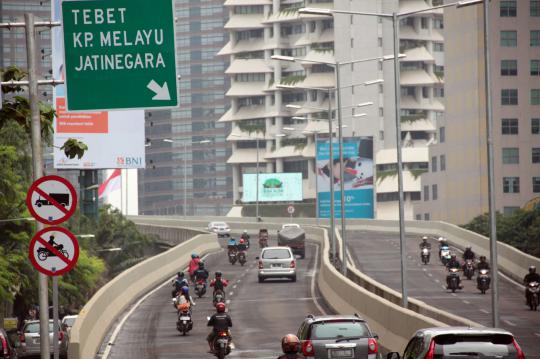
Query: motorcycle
x=245, y=237
x=43, y=252
x=200, y=288
x=468, y=269
x=184, y=323
x=532, y=294
x=242, y=258
x=232, y=257
x=445, y=254
x=425, y=255
x=483, y=280
x=222, y=344
x=219, y=297
x=453, y=279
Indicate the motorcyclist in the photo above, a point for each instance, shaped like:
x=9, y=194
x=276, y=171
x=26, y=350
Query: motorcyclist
x=532, y=276
x=290, y=345
x=483, y=264
x=442, y=243
x=184, y=297
x=201, y=273
x=245, y=237
x=219, y=283
x=220, y=322
x=425, y=243
x=231, y=245
x=241, y=246
x=453, y=263
x=468, y=254
x=193, y=265
x=178, y=283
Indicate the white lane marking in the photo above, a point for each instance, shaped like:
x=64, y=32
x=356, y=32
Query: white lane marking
x=243, y=274
x=135, y=306
x=424, y=269
x=228, y=301
x=454, y=294
x=537, y=334
x=247, y=269
x=315, y=266
x=231, y=293
x=509, y=323
x=234, y=286
x=443, y=286
x=430, y=275
x=238, y=281
x=437, y=281
x=466, y=302
x=484, y=311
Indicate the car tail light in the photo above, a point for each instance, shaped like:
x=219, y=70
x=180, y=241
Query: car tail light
x=518, y=349
x=21, y=337
x=293, y=264
x=373, y=346
x=60, y=335
x=431, y=351
x=260, y=265
x=4, y=346
x=307, y=348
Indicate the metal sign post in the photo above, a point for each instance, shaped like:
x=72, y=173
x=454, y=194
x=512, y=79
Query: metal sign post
x=56, y=327
x=123, y=50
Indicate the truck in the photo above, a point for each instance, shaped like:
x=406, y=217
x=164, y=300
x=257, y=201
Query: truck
x=293, y=236
x=61, y=198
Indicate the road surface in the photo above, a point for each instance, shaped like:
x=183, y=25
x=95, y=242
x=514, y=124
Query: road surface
x=377, y=255
x=261, y=313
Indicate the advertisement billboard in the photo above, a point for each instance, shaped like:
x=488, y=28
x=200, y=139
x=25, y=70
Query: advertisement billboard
x=273, y=187
x=115, y=139
x=358, y=177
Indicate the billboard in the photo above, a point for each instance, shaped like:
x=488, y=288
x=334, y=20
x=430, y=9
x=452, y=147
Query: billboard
x=273, y=187
x=358, y=177
x=114, y=139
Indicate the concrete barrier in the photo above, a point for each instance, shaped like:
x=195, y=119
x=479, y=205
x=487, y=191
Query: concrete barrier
x=98, y=315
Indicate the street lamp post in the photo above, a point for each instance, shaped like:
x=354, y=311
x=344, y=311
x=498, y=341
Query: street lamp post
x=395, y=21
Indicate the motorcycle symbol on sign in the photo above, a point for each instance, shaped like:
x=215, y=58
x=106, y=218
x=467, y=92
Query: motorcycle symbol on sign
x=44, y=253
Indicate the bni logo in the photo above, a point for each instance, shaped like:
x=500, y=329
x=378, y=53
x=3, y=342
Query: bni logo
x=128, y=161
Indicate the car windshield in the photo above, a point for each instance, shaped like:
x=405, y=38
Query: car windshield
x=498, y=346
x=34, y=328
x=69, y=321
x=281, y=253
x=220, y=224
x=338, y=330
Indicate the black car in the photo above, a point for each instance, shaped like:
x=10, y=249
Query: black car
x=337, y=336
x=461, y=342
x=7, y=345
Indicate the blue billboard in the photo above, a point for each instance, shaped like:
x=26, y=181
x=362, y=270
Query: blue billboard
x=358, y=177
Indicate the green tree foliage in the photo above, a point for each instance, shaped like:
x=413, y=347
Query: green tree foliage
x=520, y=230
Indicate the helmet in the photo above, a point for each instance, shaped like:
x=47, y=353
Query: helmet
x=290, y=344
x=245, y=231
x=453, y=256
x=194, y=255
x=185, y=290
x=180, y=274
x=482, y=258
x=532, y=269
x=424, y=239
x=201, y=265
x=468, y=248
x=242, y=241
x=220, y=307
x=218, y=274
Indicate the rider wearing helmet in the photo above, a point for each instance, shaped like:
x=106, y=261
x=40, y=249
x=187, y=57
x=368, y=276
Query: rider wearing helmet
x=290, y=345
x=201, y=273
x=193, y=265
x=453, y=262
x=241, y=246
x=532, y=276
x=178, y=283
x=231, y=245
x=245, y=237
x=468, y=254
x=483, y=264
x=219, y=284
x=184, y=297
x=425, y=243
x=220, y=322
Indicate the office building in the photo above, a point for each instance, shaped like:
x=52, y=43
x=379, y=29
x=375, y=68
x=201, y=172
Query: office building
x=455, y=189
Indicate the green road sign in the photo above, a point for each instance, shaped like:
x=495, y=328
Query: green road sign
x=119, y=54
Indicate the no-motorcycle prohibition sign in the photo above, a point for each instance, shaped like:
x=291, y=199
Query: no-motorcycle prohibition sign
x=51, y=199
x=54, y=251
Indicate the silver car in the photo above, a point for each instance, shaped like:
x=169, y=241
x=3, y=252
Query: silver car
x=30, y=339
x=277, y=262
x=222, y=229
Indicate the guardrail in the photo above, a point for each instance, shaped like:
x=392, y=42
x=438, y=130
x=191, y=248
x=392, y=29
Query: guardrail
x=99, y=314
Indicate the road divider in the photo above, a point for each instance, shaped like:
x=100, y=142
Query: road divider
x=101, y=311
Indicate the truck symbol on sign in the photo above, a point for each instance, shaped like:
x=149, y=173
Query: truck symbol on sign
x=61, y=198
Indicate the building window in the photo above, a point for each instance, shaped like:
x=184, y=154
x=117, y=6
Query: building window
x=535, y=38
x=295, y=167
x=426, y=216
x=424, y=21
x=508, y=211
x=443, y=162
x=435, y=192
x=510, y=156
x=508, y=8
x=511, y=184
x=418, y=217
x=535, y=67
x=509, y=97
x=426, y=193
x=535, y=97
x=508, y=67
x=535, y=126
x=509, y=126
x=536, y=184
x=438, y=24
x=442, y=134
x=509, y=38
x=535, y=155
x=535, y=8
x=434, y=164
x=438, y=46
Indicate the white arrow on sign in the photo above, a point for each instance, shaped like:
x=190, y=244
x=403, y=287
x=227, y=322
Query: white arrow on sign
x=162, y=92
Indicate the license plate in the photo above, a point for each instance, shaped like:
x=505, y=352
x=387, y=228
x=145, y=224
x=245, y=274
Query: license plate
x=341, y=353
x=276, y=265
x=184, y=318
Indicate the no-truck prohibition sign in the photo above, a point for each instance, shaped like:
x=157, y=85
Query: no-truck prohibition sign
x=51, y=199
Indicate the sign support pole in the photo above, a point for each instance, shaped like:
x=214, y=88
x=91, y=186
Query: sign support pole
x=37, y=166
x=56, y=329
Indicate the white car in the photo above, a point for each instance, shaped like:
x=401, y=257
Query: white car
x=276, y=262
x=67, y=323
x=222, y=229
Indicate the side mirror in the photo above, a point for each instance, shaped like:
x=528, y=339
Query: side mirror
x=376, y=336
x=257, y=258
x=393, y=355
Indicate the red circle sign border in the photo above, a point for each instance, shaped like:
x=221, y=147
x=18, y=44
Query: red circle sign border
x=69, y=186
x=290, y=209
x=72, y=263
